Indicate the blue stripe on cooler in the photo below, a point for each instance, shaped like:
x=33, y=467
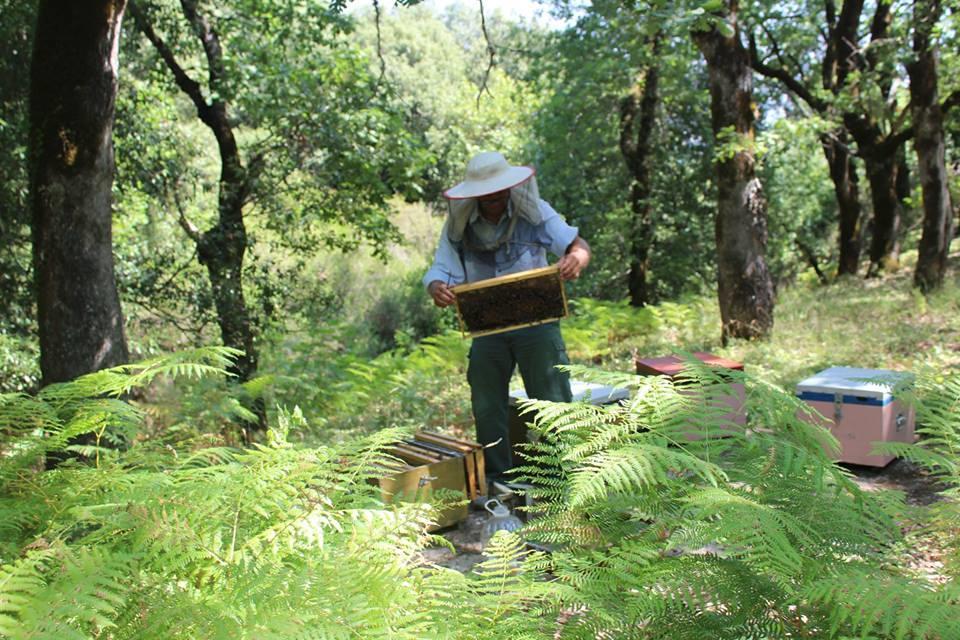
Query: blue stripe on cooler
x=819, y=396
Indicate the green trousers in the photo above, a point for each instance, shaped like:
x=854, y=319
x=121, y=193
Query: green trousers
x=537, y=351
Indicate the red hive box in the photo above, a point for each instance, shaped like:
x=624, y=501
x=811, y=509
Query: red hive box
x=731, y=396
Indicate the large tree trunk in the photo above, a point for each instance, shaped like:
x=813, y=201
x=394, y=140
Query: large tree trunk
x=882, y=170
x=221, y=249
x=72, y=99
x=745, y=288
x=840, y=59
x=635, y=139
x=929, y=145
x=846, y=186
x=883, y=156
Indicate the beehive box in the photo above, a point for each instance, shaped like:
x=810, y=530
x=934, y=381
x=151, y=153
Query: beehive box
x=729, y=398
x=860, y=408
x=513, y=301
x=432, y=461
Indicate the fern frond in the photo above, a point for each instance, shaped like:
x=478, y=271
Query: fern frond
x=926, y=457
x=634, y=469
x=763, y=536
x=863, y=602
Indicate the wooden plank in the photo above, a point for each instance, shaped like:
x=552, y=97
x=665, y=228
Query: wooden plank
x=465, y=445
x=510, y=277
x=444, y=441
x=440, y=450
x=481, y=469
x=408, y=454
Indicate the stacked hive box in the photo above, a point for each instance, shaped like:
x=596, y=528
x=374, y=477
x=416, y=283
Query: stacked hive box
x=432, y=461
x=860, y=408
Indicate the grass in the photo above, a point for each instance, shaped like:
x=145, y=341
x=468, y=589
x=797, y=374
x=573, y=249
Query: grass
x=879, y=323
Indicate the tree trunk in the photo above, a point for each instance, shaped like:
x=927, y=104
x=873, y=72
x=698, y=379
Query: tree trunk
x=745, y=288
x=841, y=58
x=883, y=156
x=221, y=249
x=838, y=63
x=635, y=139
x=929, y=145
x=882, y=172
x=72, y=99
x=846, y=186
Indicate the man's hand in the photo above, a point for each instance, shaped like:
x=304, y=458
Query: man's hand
x=575, y=260
x=441, y=294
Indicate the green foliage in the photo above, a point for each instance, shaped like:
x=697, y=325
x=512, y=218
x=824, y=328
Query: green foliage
x=583, y=73
x=16, y=293
x=324, y=149
x=669, y=521
x=168, y=540
x=936, y=397
x=740, y=533
x=422, y=386
x=433, y=70
x=404, y=315
x=801, y=206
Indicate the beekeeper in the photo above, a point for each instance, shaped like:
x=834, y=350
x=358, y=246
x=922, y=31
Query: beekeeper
x=497, y=225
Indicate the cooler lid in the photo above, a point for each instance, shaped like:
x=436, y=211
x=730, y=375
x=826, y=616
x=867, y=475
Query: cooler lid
x=585, y=391
x=869, y=383
x=672, y=365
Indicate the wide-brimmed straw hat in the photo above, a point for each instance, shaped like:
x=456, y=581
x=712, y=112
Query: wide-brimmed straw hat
x=487, y=173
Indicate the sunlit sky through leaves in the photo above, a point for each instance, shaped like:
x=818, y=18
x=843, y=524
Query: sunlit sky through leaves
x=529, y=10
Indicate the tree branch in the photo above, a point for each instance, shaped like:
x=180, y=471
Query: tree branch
x=789, y=81
x=383, y=63
x=189, y=228
x=210, y=41
x=892, y=142
x=830, y=9
x=187, y=84
x=490, y=50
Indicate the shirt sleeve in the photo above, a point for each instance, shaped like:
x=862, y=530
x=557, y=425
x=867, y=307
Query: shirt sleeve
x=446, y=267
x=557, y=235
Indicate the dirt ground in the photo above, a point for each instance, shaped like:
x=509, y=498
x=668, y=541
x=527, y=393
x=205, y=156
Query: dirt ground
x=922, y=552
x=901, y=475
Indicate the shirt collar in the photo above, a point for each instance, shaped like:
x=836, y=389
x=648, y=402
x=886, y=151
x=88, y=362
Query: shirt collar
x=506, y=214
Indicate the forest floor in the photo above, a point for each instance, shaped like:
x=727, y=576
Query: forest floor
x=922, y=553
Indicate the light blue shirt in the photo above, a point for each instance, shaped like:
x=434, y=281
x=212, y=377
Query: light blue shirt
x=525, y=249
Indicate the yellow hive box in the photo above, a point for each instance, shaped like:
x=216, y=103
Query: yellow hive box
x=433, y=461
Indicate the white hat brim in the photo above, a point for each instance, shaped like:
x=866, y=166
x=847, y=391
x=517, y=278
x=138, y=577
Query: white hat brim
x=476, y=188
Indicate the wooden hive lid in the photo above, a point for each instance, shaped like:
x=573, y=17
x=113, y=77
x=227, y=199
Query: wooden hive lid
x=672, y=365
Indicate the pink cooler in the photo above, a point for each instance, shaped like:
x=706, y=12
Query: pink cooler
x=859, y=409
